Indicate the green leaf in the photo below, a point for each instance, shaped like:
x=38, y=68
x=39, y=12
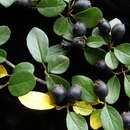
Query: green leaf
x=61, y=26
x=114, y=21
x=7, y=3
x=94, y=55
x=111, y=60
x=20, y=83
x=95, y=32
x=58, y=64
x=3, y=55
x=89, y=17
x=127, y=85
x=69, y=33
x=51, y=8
x=113, y=90
x=54, y=79
x=4, y=34
x=111, y=119
x=95, y=41
x=37, y=42
x=24, y=66
x=67, y=1
x=55, y=50
x=76, y=122
x=82, y=108
x=95, y=120
x=87, y=87
x=122, y=52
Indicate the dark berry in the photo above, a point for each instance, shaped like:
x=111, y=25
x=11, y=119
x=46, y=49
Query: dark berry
x=81, y=5
x=118, y=32
x=26, y=3
x=74, y=93
x=126, y=120
x=101, y=65
x=79, y=29
x=104, y=26
x=59, y=93
x=100, y=89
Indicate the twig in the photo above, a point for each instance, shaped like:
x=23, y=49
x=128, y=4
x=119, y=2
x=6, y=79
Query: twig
x=13, y=66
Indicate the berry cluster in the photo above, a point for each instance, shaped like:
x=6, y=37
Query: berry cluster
x=61, y=95
x=117, y=32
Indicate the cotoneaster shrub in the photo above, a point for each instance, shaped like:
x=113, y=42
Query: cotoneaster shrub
x=83, y=97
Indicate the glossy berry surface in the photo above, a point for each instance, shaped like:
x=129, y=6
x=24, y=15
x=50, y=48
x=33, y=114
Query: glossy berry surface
x=59, y=94
x=100, y=89
x=118, y=32
x=126, y=120
x=74, y=93
x=79, y=29
x=81, y=5
x=104, y=26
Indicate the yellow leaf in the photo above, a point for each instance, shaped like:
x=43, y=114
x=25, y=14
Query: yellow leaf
x=82, y=108
x=37, y=100
x=95, y=121
x=3, y=71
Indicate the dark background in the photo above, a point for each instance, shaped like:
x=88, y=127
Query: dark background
x=20, y=19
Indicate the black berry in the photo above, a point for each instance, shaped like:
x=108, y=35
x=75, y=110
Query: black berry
x=74, y=93
x=79, y=29
x=59, y=94
x=81, y=5
x=104, y=26
x=126, y=120
x=100, y=89
x=26, y=3
x=101, y=65
x=118, y=32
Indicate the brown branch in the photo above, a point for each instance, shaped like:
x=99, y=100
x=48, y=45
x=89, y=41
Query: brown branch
x=13, y=66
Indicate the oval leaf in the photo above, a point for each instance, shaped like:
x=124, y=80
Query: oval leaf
x=51, y=8
x=3, y=71
x=111, y=119
x=24, y=66
x=3, y=55
x=20, y=83
x=95, y=41
x=61, y=26
x=58, y=64
x=89, y=17
x=4, y=34
x=87, y=87
x=111, y=60
x=54, y=79
x=37, y=100
x=69, y=33
x=56, y=50
x=76, y=122
x=94, y=55
x=113, y=90
x=82, y=108
x=127, y=85
x=37, y=42
x=95, y=120
x=122, y=52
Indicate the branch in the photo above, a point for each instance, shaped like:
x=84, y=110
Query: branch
x=13, y=66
